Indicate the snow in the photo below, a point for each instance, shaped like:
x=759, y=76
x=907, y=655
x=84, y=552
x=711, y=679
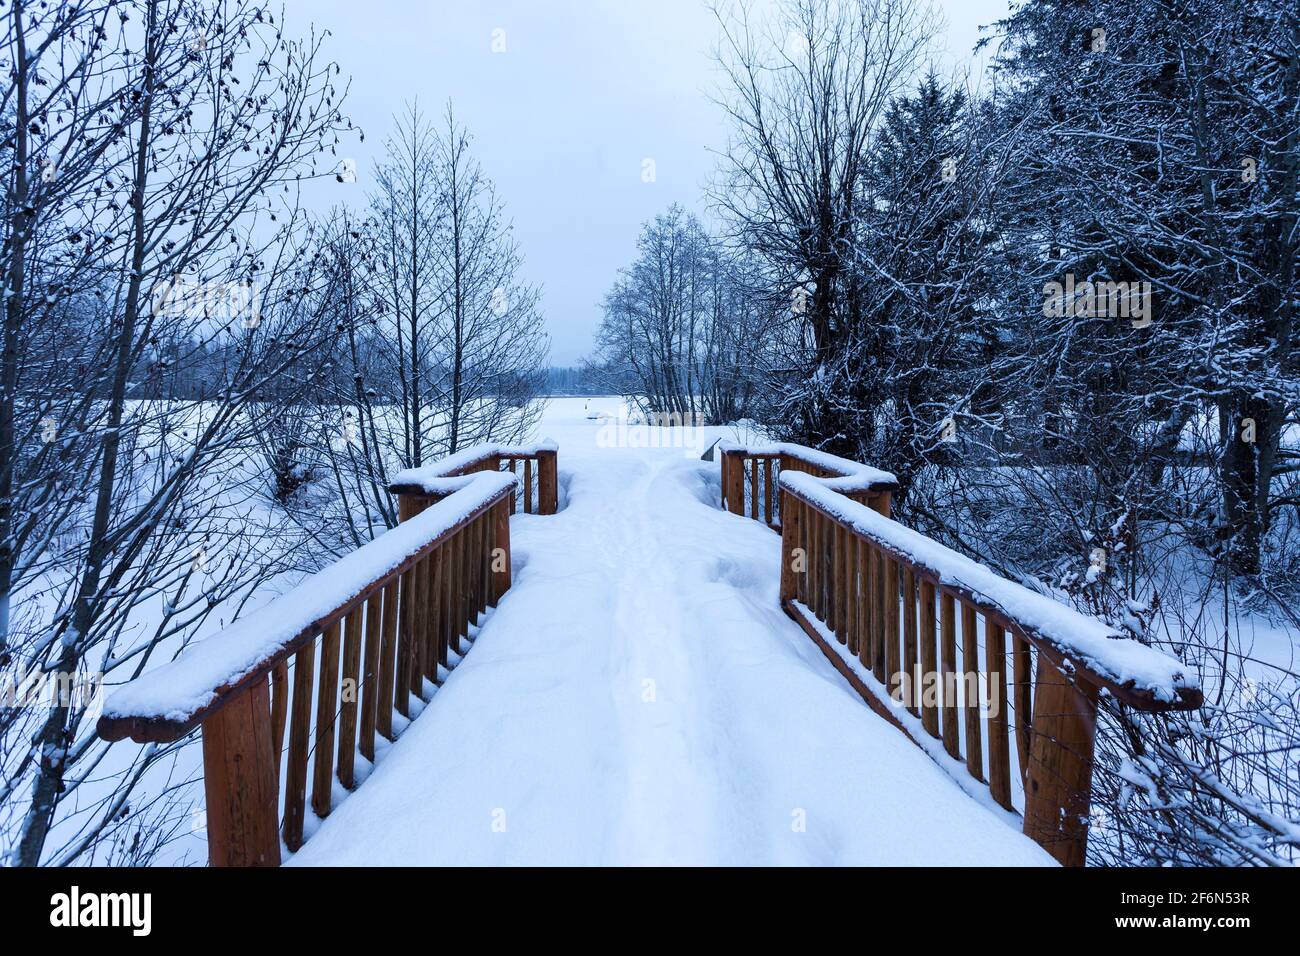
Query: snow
x=177, y=690
x=437, y=478
x=638, y=697
x=850, y=476
x=1085, y=639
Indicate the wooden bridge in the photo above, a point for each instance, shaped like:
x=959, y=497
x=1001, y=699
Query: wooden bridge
x=996, y=683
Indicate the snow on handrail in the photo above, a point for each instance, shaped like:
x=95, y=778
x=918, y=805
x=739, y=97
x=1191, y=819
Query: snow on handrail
x=1110, y=658
x=846, y=476
x=434, y=479
x=170, y=700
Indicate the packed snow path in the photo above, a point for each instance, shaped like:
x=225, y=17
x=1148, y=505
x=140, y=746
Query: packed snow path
x=639, y=698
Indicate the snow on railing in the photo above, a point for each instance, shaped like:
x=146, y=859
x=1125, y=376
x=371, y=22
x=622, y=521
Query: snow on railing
x=883, y=603
x=177, y=695
x=760, y=466
x=434, y=481
x=1110, y=658
x=386, y=620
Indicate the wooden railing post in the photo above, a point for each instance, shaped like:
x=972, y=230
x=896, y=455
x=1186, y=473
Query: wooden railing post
x=733, y=481
x=408, y=506
x=240, y=782
x=1057, y=794
x=501, y=573
x=724, y=466
x=881, y=502
x=791, y=528
x=547, y=482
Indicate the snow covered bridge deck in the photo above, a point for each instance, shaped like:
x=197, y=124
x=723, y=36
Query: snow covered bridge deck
x=637, y=696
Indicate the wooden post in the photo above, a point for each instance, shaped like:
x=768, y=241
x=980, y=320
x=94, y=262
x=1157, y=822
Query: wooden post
x=548, y=495
x=446, y=606
x=351, y=694
x=893, y=666
x=370, y=676
x=455, y=547
x=835, y=592
x=929, y=666
x=434, y=656
x=882, y=502
x=295, y=774
x=387, y=664
x=724, y=463
x=406, y=615
x=948, y=667
x=1058, y=793
x=327, y=698
x=733, y=481
x=790, y=530
x=878, y=563
x=999, y=743
x=419, y=622
x=867, y=602
x=858, y=632
x=501, y=545
x=279, y=708
x=915, y=681
x=408, y=506
x=240, y=782
x=970, y=669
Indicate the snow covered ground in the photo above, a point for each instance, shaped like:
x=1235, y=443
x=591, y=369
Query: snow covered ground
x=639, y=698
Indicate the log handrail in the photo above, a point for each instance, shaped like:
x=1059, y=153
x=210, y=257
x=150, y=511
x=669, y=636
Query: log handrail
x=887, y=606
x=417, y=488
x=340, y=658
x=760, y=467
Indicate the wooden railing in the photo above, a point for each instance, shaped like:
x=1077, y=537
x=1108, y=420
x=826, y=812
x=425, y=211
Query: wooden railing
x=997, y=682
x=341, y=660
x=535, y=465
x=751, y=477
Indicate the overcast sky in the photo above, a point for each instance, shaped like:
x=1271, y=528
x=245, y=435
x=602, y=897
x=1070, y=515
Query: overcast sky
x=562, y=119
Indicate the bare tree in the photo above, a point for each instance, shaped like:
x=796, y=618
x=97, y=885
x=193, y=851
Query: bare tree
x=685, y=332
x=490, y=370
x=438, y=342
x=201, y=114
x=806, y=92
x=470, y=350
x=408, y=210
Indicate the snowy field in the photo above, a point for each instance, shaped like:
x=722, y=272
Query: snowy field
x=639, y=698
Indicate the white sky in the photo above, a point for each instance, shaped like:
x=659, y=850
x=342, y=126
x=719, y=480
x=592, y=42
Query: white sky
x=563, y=119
